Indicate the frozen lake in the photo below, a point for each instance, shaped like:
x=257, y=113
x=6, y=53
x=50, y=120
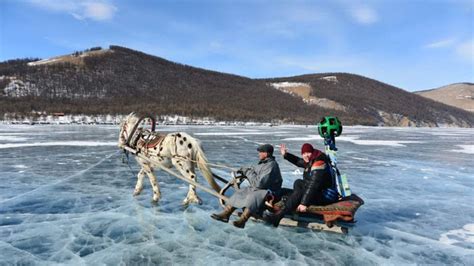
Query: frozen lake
x=66, y=198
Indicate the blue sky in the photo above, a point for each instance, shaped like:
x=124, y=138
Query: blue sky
x=413, y=45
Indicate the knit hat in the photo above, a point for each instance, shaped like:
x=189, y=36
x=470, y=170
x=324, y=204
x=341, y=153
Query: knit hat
x=307, y=148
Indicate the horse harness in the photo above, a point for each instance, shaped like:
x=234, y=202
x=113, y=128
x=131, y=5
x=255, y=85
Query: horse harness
x=139, y=138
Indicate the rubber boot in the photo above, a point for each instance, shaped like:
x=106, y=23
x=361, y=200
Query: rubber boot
x=224, y=216
x=240, y=223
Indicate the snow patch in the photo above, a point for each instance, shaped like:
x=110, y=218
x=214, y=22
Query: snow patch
x=357, y=141
x=42, y=62
x=330, y=79
x=17, y=88
x=234, y=133
x=307, y=138
x=360, y=158
x=58, y=143
x=12, y=138
x=286, y=84
x=465, y=234
x=469, y=149
x=392, y=143
x=427, y=170
x=455, y=134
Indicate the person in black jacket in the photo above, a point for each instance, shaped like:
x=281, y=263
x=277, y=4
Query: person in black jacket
x=309, y=190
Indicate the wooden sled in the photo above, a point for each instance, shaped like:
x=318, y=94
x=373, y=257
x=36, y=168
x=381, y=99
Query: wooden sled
x=336, y=217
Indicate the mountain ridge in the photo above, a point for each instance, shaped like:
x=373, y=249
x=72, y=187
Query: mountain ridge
x=456, y=83
x=460, y=95
x=126, y=80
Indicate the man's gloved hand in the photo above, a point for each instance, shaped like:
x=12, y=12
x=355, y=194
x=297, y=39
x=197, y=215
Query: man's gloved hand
x=240, y=176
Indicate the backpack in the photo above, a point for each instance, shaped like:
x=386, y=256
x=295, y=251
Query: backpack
x=339, y=187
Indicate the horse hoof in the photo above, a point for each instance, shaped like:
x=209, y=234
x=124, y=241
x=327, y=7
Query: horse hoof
x=185, y=203
x=194, y=201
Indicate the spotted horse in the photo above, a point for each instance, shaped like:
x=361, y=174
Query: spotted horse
x=175, y=149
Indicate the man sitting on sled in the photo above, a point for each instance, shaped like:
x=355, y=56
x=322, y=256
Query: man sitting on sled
x=265, y=177
x=313, y=189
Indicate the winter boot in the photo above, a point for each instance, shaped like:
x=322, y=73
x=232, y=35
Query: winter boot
x=240, y=223
x=274, y=219
x=224, y=216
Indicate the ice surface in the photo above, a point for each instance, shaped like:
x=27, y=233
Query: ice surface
x=66, y=198
x=246, y=132
x=393, y=143
x=356, y=140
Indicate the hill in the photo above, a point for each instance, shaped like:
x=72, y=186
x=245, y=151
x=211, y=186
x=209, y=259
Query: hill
x=119, y=80
x=377, y=102
x=459, y=95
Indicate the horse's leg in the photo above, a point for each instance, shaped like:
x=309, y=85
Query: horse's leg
x=154, y=184
x=139, y=185
x=187, y=170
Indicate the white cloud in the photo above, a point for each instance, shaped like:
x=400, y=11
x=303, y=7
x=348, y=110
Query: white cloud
x=364, y=15
x=441, y=43
x=98, y=11
x=466, y=50
x=88, y=9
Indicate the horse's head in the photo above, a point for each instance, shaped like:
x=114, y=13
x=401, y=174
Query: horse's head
x=126, y=127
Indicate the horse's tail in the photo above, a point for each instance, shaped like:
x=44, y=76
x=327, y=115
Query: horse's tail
x=203, y=166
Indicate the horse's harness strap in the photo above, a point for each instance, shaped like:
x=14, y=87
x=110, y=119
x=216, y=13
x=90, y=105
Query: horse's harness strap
x=134, y=134
x=148, y=140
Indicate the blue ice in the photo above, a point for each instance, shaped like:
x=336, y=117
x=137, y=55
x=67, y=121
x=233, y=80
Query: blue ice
x=66, y=198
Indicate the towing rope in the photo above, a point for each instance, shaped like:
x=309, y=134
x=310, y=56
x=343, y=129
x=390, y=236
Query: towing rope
x=126, y=160
x=61, y=180
x=211, y=164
